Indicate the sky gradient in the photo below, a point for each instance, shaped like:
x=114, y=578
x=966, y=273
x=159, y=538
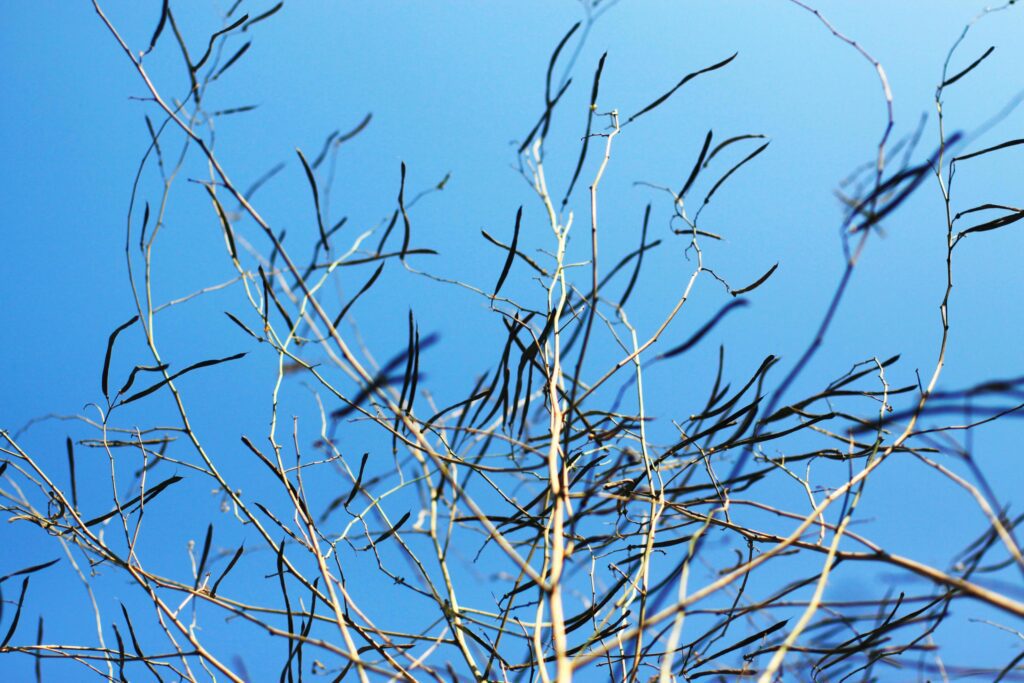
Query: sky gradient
x=452, y=88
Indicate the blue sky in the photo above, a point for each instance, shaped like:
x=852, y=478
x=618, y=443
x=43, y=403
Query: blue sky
x=452, y=87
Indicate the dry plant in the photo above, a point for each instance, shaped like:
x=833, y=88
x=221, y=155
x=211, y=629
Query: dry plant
x=544, y=526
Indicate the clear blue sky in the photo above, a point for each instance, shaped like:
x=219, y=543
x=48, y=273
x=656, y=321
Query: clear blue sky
x=452, y=86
